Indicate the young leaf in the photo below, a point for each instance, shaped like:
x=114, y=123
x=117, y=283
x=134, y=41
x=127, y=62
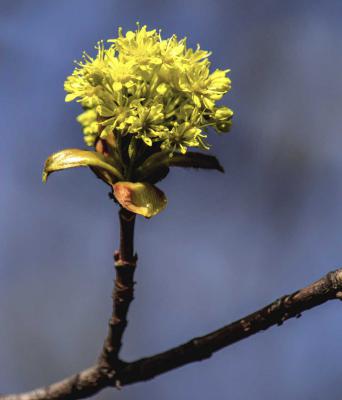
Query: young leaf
x=141, y=198
x=192, y=159
x=156, y=175
x=156, y=166
x=105, y=176
x=72, y=158
x=157, y=159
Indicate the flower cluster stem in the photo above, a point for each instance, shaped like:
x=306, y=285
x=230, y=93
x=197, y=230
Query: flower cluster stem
x=123, y=292
x=127, y=222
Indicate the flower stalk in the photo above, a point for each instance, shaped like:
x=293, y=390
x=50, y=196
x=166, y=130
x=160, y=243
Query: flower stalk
x=127, y=222
x=122, y=295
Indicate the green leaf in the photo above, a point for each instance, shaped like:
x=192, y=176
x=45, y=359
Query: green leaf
x=156, y=175
x=105, y=176
x=195, y=160
x=156, y=166
x=141, y=198
x=155, y=160
x=72, y=158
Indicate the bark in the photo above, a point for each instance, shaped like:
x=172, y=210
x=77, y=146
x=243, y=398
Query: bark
x=123, y=293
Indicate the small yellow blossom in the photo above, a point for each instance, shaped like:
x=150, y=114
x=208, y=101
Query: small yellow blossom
x=146, y=100
x=150, y=89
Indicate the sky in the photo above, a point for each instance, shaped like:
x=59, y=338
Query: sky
x=225, y=246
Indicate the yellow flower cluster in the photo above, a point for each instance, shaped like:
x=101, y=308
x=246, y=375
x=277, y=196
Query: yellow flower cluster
x=153, y=89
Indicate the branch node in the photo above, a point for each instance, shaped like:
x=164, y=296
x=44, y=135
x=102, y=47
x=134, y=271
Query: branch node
x=335, y=279
x=118, y=384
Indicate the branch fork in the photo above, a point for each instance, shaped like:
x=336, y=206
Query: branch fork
x=111, y=371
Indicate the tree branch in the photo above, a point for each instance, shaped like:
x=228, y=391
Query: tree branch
x=93, y=380
x=327, y=288
x=80, y=386
x=123, y=291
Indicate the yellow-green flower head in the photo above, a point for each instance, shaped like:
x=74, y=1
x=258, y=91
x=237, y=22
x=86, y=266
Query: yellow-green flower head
x=151, y=89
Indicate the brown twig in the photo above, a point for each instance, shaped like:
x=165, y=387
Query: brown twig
x=123, y=291
x=93, y=380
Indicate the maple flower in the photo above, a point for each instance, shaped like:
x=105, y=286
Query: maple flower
x=147, y=101
x=151, y=89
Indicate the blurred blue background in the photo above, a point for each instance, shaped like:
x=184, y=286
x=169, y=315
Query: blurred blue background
x=226, y=245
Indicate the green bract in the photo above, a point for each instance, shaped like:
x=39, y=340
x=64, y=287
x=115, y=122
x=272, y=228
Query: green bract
x=145, y=101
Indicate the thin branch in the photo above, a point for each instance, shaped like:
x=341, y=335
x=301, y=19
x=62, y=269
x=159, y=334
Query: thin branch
x=123, y=292
x=80, y=386
x=92, y=380
x=327, y=288
x=127, y=221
